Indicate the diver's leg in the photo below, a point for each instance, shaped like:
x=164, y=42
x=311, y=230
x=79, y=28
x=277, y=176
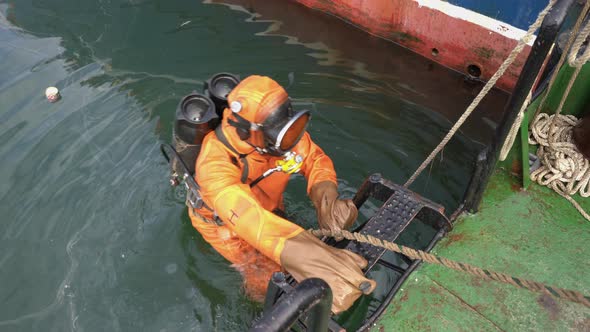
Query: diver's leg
x=255, y=268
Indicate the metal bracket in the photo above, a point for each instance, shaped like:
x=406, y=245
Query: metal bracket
x=193, y=198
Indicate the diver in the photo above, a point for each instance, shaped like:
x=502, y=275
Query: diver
x=243, y=169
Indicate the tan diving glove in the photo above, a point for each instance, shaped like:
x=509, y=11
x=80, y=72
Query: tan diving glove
x=304, y=256
x=333, y=213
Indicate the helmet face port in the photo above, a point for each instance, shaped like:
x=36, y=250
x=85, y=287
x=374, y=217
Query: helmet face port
x=283, y=128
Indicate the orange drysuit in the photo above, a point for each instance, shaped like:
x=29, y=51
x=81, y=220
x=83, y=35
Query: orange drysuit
x=250, y=228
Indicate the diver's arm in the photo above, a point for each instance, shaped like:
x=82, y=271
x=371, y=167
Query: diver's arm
x=317, y=166
x=236, y=205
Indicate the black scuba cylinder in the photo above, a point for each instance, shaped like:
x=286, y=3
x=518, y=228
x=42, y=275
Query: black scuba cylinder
x=195, y=118
x=218, y=88
x=198, y=114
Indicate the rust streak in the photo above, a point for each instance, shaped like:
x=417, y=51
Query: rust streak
x=452, y=238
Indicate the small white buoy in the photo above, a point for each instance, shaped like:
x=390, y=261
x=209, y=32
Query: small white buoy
x=52, y=94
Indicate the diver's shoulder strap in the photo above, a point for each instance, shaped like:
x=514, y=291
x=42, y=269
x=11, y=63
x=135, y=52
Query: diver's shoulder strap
x=223, y=139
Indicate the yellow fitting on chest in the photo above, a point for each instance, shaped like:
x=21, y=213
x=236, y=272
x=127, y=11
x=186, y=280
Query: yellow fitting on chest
x=291, y=163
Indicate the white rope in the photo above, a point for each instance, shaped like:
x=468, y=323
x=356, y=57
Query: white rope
x=577, y=61
x=568, y=45
x=489, y=85
x=563, y=168
x=509, y=142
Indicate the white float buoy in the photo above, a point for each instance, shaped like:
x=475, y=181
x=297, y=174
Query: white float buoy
x=52, y=94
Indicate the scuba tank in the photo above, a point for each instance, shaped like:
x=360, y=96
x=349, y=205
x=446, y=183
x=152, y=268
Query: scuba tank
x=218, y=88
x=195, y=118
x=197, y=115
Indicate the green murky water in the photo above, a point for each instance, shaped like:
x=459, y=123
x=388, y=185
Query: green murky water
x=93, y=239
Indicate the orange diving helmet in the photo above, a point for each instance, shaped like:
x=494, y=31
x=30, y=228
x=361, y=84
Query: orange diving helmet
x=264, y=117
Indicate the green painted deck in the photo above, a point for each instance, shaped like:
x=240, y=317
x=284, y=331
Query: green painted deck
x=533, y=234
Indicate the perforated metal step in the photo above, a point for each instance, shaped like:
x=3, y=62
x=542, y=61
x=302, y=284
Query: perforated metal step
x=401, y=207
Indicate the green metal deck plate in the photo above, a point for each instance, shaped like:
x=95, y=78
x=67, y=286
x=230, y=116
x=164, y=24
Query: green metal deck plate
x=532, y=234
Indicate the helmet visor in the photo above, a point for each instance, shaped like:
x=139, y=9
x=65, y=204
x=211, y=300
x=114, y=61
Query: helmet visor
x=293, y=131
x=284, y=128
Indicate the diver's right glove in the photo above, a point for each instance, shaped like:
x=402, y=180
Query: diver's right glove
x=304, y=256
x=333, y=213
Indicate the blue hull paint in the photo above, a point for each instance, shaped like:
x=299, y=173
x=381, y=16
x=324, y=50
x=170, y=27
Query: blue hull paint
x=518, y=13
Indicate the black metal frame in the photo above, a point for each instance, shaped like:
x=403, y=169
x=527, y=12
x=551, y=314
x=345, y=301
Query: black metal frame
x=401, y=207
x=487, y=159
x=425, y=210
x=312, y=298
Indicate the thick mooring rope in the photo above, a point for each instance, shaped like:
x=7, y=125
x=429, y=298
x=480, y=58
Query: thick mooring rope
x=574, y=60
x=489, y=85
x=534, y=286
x=563, y=168
x=567, y=46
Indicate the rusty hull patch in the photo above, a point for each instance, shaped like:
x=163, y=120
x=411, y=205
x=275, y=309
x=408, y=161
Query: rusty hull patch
x=405, y=37
x=484, y=52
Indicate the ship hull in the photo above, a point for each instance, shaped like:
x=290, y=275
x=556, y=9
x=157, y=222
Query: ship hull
x=454, y=36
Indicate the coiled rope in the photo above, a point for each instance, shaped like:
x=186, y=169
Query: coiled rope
x=566, y=294
x=563, y=168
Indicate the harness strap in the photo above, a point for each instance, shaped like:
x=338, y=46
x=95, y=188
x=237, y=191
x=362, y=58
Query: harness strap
x=193, y=197
x=223, y=139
